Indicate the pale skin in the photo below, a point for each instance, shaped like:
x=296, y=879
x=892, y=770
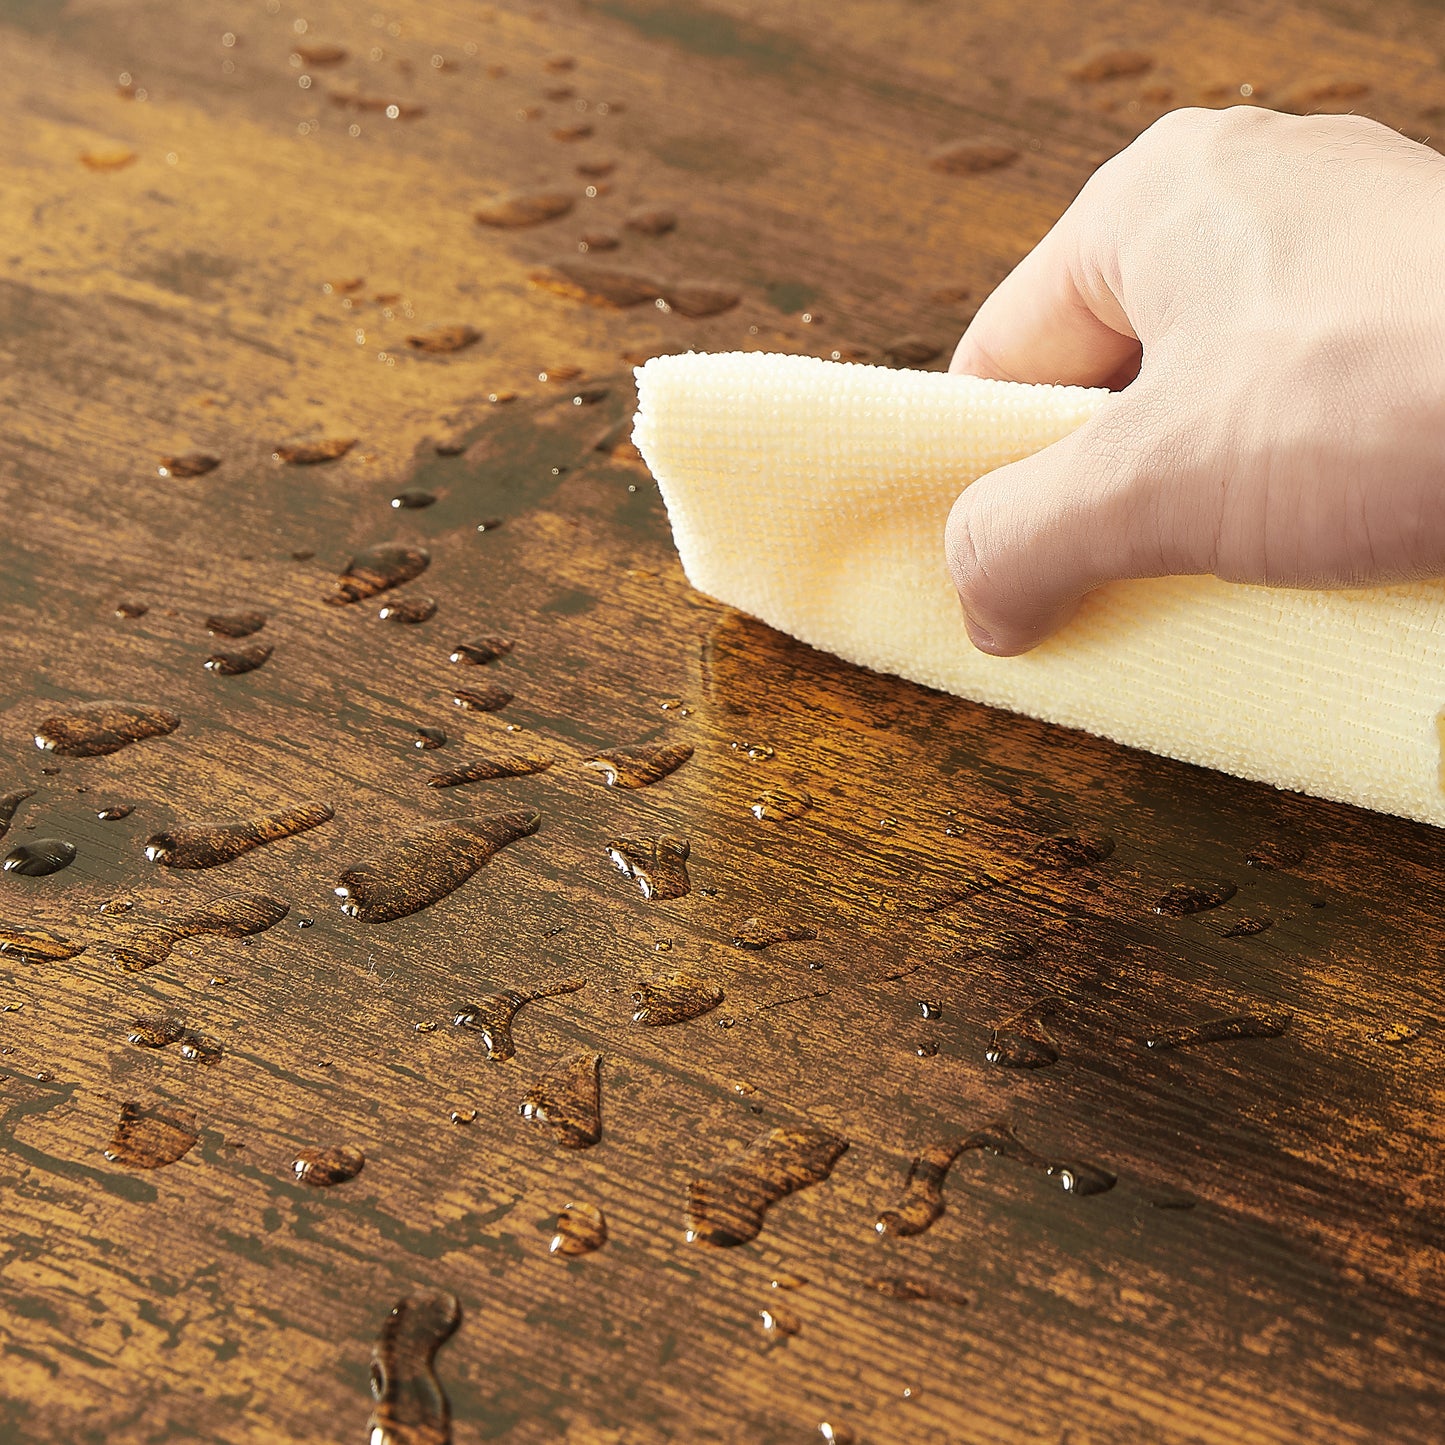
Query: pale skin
x=1265, y=294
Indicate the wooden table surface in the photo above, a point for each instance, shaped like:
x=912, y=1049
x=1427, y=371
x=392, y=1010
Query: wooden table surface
x=222, y=223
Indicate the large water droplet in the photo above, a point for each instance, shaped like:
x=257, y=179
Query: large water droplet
x=581, y=1228
x=409, y=610
x=1237, y=1026
x=9, y=802
x=151, y=1138
x=529, y=208
x=39, y=858
x=162, y=1032
x=674, y=998
x=481, y=650
x=309, y=453
x=323, y=1167
x=411, y=1406
x=235, y=624
x=658, y=864
x=1185, y=898
x=208, y=845
x=756, y=933
x=36, y=945
x=492, y=1017
x=377, y=569
x=480, y=770
x=568, y=1099
x=236, y=915
x=780, y=805
x=640, y=766
x=102, y=727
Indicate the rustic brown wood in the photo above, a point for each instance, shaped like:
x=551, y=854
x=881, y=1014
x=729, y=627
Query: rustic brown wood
x=212, y=251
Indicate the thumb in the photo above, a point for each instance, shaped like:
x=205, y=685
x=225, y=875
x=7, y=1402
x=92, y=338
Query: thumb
x=1027, y=541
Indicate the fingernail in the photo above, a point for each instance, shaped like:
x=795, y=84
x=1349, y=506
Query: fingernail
x=981, y=637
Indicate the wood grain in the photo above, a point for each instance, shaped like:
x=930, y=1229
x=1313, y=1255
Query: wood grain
x=211, y=287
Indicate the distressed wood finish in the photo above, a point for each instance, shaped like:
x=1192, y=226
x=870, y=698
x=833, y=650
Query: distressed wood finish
x=192, y=262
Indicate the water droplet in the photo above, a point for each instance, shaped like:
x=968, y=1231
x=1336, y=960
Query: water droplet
x=39, y=858
x=492, y=1017
x=411, y=1406
x=1247, y=927
x=778, y=1323
x=1185, y=898
x=36, y=945
x=640, y=766
x=971, y=157
x=1237, y=1026
x=598, y=241
x=911, y=351
x=922, y=1200
x=463, y=1116
x=591, y=395
x=489, y=697
x=430, y=738
x=1022, y=1042
x=9, y=802
x=235, y=661
x=131, y=609
x=117, y=905
x=1070, y=850
x=764, y=932
x=1395, y=1033
x=413, y=499
x=697, y=299
x=567, y=1098
x=236, y=915
x=568, y=133
x=776, y=805
x=651, y=222
x=530, y=208
x=311, y=453
x=159, y=1033
x=409, y=610
x=1271, y=853
x=151, y=1138
x=674, y=998
x=422, y=867
x=596, y=170
x=211, y=844
x=658, y=864
x=479, y=770
x=836, y=1433
x=321, y=1168
x=99, y=728
x=926, y=1050
x=378, y=569
x=235, y=624
x=896, y=1287
x=319, y=54
x=726, y=1207
x=674, y=704
x=596, y=285
x=444, y=339
x=930, y=1008
x=754, y=752
x=482, y=650
x=581, y=1228
x=1109, y=62
x=189, y=464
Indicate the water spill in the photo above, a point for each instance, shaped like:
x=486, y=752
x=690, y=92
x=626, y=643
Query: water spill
x=430, y=739
x=726, y=1207
x=489, y=697
x=132, y=609
x=922, y=1199
x=1109, y=62
x=444, y=339
x=674, y=998
x=422, y=867
x=970, y=157
x=764, y=932
x=778, y=1323
x=567, y=1098
x=411, y=1406
x=779, y=805
x=897, y=1287
x=39, y=858
x=235, y=624
x=321, y=1168
x=234, y=661
x=99, y=728
x=581, y=1228
x=1236, y=1026
x=1247, y=927
x=1022, y=1042
x=216, y=843
x=36, y=945
x=377, y=569
x=9, y=802
x=492, y=1017
x=658, y=864
x=529, y=208
x=151, y=1138
x=1271, y=853
x=480, y=770
x=188, y=464
x=1182, y=899
x=312, y=453
x=640, y=766
x=160, y=1033
x=236, y=915
x=413, y=499
x=651, y=222
x=482, y=650
x=409, y=610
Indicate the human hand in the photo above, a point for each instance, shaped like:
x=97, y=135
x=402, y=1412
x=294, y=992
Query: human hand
x=1278, y=285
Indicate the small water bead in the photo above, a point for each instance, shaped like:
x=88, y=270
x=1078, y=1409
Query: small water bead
x=235, y=661
x=424, y=866
x=489, y=524
x=568, y=1099
x=492, y=1018
x=581, y=1228
x=1247, y=927
x=674, y=998
x=776, y=805
x=430, y=739
x=926, y=1050
x=441, y=342
x=487, y=698
x=209, y=845
x=463, y=1116
x=834, y=1432
x=160, y=1033
x=726, y=1208
x=100, y=728
x=378, y=569
x=1182, y=899
x=413, y=499
x=409, y=610
x=39, y=858
x=324, y=1167
x=640, y=766
x=778, y=1323
x=411, y=1407
x=131, y=609
x=188, y=464
x=481, y=650
x=1237, y=1026
x=312, y=453
x=755, y=752
x=659, y=865
x=758, y=933
x=235, y=624
x=117, y=905
x=151, y=1138
x=480, y=770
